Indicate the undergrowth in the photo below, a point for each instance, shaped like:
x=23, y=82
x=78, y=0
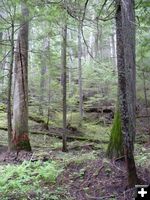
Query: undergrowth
x=21, y=180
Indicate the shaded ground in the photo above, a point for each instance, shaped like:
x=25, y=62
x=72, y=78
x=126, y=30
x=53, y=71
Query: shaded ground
x=83, y=179
x=87, y=174
x=98, y=180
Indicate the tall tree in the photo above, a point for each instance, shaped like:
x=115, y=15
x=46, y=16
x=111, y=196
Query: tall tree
x=64, y=83
x=20, y=139
x=80, y=71
x=125, y=24
x=42, y=78
x=9, y=112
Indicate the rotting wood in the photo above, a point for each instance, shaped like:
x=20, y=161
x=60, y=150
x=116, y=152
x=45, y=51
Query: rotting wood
x=59, y=135
x=69, y=137
x=37, y=119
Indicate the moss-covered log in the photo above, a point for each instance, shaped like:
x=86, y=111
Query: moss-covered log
x=57, y=133
x=69, y=137
x=39, y=120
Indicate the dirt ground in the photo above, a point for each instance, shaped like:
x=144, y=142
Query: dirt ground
x=91, y=179
x=88, y=180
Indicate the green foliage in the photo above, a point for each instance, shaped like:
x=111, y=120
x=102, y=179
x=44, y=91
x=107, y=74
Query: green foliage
x=21, y=179
x=48, y=172
x=115, y=147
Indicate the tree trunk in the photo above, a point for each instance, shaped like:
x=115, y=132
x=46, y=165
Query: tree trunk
x=80, y=71
x=113, y=50
x=1, y=65
x=64, y=84
x=20, y=140
x=70, y=67
x=146, y=102
x=42, y=85
x=9, y=117
x=96, y=42
x=145, y=92
x=126, y=81
x=49, y=84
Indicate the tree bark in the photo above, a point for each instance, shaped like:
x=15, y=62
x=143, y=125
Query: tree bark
x=9, y=117
x=64, y=84
x=125, y=29
x=42, y=87
x=70, y=66
x=146, y=102
x=80, y=71
x=145, y=92
x=20, y=140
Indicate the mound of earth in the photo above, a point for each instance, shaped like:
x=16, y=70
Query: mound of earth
x=95, y=180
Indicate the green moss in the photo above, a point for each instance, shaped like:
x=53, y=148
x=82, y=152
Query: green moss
x=21, y=142
x=115, y=147
x=95, y=131
x=24, y=145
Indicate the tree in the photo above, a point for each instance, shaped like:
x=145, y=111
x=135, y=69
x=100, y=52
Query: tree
x=9, y=112
x=80, y=71
x=125, y=25
x=20, y=140
x=64, y=83
x=42, y=78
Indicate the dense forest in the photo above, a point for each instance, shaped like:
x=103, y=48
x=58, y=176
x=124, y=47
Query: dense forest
x=74, y=99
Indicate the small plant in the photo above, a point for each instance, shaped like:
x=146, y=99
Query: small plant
x=21, y=179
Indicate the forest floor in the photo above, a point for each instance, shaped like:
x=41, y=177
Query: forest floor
x=83, y=173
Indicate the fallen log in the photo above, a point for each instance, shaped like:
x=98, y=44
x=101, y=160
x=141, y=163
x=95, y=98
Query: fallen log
x=69, y=137
x=37, y=119
x=57, y=132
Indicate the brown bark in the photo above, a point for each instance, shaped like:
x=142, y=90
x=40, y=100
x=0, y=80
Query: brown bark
x=146, y=102
x=80, y=71
x=125, y=31
x=42, y=87
x=64, y=84
x=43, y=75
x=20, y=140
x=9, y=117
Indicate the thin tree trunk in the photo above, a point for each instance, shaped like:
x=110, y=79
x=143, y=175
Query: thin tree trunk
x=80, y=71
x=114, y=60
x=64, y=84
x=70, y=67
x=9, y=117
x=146, y=102
x=20, y=139
x=101, y=42
x=43, y=75
x=145, y=93
x=49, y=101
x=1, y=64
x=42, y=86
x=96, y=50
x=49, y=85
